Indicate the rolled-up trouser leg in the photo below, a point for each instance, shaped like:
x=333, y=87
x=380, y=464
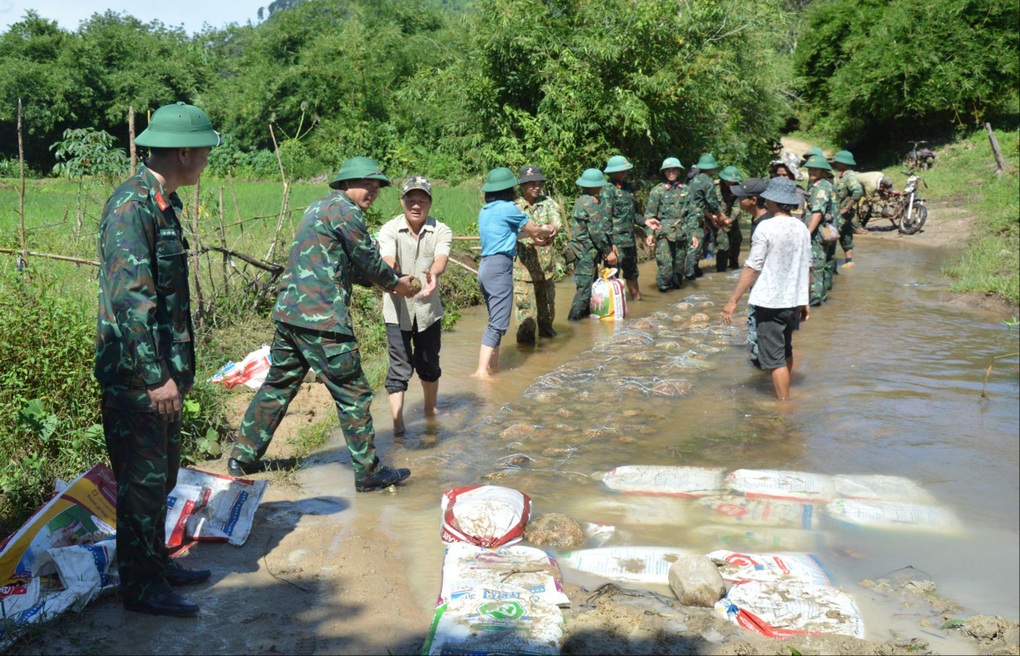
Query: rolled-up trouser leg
x=495, y=276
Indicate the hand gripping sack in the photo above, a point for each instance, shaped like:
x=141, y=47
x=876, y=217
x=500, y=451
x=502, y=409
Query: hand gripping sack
x=608, y=296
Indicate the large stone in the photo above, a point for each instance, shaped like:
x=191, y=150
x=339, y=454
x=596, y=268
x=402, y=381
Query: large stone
x=555, y=530
x=696, y=581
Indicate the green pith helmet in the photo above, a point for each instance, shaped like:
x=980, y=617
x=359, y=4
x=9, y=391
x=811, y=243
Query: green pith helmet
x=818, y=162
x=618, y=163
x=360, y=168
x=179, y=126
x=671, y=163
x=813, y=150
x=707, y=162
x=591, y=178
x=499, y=179
x=731, y=174
x=845, y=157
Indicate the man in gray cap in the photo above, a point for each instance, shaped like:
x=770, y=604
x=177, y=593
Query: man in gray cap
x=778, y=268
x=416, y=243
x=749, y=197
x=535, y=267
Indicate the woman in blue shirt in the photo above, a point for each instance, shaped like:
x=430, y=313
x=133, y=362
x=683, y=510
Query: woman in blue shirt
x=499, y=225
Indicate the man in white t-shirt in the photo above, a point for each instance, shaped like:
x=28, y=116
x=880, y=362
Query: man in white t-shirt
x=778, y=267
x=417, y=244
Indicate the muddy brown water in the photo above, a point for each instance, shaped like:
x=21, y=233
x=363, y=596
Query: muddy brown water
x=888, y=380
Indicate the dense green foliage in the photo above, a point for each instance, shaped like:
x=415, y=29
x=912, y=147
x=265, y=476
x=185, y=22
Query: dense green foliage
x=449, y=93
x=882, y=67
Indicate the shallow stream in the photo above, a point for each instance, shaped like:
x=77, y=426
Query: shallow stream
x=888, y=380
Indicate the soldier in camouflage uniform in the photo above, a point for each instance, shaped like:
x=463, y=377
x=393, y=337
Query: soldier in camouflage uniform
x=669, y=204
x=705, y=206
x=821, y=208
x=332, y=250
x=618, y=197
x=145, y=355
x=849, y=192
x=535, y=267
x=730, y=257
x=590, y=243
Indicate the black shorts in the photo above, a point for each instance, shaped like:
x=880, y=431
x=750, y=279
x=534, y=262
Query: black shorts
x=413, y=351
x=775, y=328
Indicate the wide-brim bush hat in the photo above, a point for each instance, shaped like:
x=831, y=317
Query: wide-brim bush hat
x=499, y=179
x=845, y=157
x=591, y=178
x=731, y=174
x=179, y=126
x=818, y=162
x=750, y=187
x=360, y=168
x=671, y=163
x=782, y=191
x=530, y=174
x=707, y=163
x=416, y=182
x=618, y=163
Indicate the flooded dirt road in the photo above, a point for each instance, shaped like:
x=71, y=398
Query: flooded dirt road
x=888, y=380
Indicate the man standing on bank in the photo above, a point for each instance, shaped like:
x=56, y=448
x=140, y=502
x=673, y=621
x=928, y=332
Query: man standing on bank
x=534, y=287
x=331, y=251
x=145, y=355
x=778, y=268
x=414, y=243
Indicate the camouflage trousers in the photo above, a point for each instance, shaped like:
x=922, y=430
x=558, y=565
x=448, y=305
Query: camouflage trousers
x=818, y=290
x=534, y=299
x=736, y=240
x=337, y=363
x=145, y=452
x=585, y=270
x=694, y=255
x=752, y=336
x=671, y=258
x=830, y=264
x=846, y=230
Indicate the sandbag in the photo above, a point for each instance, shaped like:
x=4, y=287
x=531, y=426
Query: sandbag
x=795, y=567
x=506, y=573
x=484, y=515
x=477, y=626
x=793, y=485
x=608, y=296
x=632, y=564
x=890, y=515
x=780, y=610
x=657, y=479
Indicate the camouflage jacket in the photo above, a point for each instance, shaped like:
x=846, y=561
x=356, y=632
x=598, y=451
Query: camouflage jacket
x=591, y=225
x=821, y=198
x=671, y=204
x=848, y=188
x=618, y=199
x=145, y=334
x=332, y=250
x=704, y=193
x=539, y=258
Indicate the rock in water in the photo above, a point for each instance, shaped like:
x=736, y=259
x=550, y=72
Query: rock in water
x=555, y=530
x=696, y=581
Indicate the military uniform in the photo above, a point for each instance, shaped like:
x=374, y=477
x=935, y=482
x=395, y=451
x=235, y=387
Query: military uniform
x=332, y=250
x=618, y=200
x=821, y=199
x=144, y=337
x=734, y=236
x=849, y=192
x=590, y=226
x=704, y=198
x=670, y=203
x=535, y=268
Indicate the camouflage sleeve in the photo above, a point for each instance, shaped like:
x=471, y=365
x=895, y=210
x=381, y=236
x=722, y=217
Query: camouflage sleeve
x=127, y=243
x=364, y=254
x=706, y=197
x=856, y=189
x=818, y=201
x=652, y=209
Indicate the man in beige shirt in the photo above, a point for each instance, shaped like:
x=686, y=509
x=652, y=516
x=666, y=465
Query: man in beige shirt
x=417, y=244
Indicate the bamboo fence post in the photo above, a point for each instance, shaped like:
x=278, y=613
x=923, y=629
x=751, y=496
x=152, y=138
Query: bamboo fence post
x=198, y=262
x=286, y=196
x=1000, y=162
x=131, y=138
x=223, y=244
x=50, y=256
x=22, y=263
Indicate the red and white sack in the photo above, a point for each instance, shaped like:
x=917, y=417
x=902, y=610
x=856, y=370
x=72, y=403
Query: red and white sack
x=773, y=484
x=250, y=372
x=608, y=296
x=779, y=610
x=665, y=480
x=485, y=515
x=785, y=567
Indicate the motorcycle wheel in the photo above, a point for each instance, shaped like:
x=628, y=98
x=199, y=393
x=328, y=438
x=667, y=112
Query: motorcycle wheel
x=917, y=220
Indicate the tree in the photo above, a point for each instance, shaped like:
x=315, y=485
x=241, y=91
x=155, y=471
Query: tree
x=88, y=156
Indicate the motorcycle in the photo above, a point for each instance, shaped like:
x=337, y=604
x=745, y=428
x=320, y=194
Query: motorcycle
x=906, y=209
x=922, y=159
